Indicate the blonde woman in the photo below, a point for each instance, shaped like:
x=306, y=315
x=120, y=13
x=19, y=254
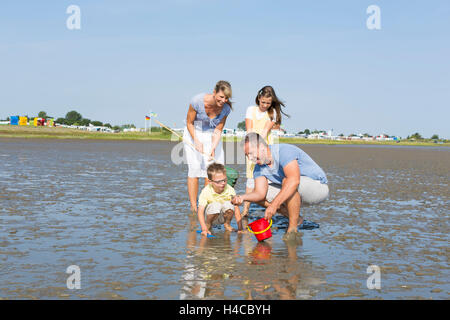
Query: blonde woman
x=205, y=120
x=261, y=118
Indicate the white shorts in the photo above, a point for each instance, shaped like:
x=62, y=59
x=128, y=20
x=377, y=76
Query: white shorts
x=197, y=162
x=220, y=208
x=311, y=191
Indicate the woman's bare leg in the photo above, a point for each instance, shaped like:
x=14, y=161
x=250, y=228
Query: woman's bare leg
x=192, y=184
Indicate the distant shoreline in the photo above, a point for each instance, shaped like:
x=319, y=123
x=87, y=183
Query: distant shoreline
x=29, y=132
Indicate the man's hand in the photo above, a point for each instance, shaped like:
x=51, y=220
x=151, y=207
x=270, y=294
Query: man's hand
x=237, y=200
x=270, y=211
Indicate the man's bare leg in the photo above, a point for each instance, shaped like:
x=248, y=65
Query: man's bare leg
x=293, y=207
x=283, y=210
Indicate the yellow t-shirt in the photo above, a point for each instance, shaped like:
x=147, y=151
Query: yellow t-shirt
x=259, y=120
x=208, y=195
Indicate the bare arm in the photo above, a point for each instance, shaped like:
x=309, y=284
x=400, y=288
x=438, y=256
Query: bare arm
x=259, y=192
x=201, y=220
x=190, y=126
x=268, y=126
x=289, y=187
x=217, y=135
x=248, y=125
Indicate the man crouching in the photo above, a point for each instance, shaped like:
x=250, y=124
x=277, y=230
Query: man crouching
x=286, y=177
x=214, y=201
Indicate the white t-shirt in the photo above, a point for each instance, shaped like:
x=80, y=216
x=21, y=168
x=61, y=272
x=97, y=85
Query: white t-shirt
x=258, y=113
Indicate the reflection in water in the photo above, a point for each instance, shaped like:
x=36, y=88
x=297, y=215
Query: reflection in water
x=117, y=209
x=261, y=253
x=238, y=263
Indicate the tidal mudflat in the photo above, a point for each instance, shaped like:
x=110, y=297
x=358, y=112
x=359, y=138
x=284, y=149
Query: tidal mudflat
x=119, y=211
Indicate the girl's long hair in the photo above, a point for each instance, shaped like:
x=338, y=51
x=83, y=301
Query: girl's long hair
x=269, y=92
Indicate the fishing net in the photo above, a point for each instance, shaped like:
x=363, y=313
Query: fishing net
x=232, y=176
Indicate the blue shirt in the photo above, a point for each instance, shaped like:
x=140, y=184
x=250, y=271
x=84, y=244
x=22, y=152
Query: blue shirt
x=202, y=121
x=282, y=154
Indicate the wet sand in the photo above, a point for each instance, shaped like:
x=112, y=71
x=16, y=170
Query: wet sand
x=119, y=210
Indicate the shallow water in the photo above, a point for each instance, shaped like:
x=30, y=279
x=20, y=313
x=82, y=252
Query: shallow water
x=119, y=211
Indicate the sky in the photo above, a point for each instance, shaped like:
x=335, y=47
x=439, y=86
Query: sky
x=330, y=69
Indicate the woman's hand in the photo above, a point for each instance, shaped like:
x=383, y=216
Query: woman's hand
x=198, y=146
x=213, y=154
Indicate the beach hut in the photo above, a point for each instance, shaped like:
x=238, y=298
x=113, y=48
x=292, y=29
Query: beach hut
x=23, y=121
x=39, y=122
x=14, y=120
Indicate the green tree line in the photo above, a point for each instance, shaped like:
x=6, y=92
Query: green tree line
x=74, y=118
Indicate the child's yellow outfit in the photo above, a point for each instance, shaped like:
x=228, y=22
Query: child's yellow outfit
x=259, y=120
x=216, y=202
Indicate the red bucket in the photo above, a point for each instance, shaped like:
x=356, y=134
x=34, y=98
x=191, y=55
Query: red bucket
x=261, y=229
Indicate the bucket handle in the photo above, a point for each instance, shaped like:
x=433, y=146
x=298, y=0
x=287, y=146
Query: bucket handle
x=258, y=232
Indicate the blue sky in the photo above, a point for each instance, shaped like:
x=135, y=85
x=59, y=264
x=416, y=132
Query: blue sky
x=328, y=67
